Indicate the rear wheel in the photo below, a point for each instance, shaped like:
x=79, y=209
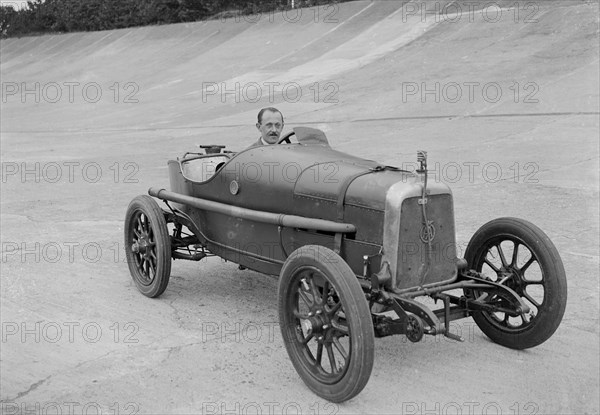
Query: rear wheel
x=518, y=254
x=147, y=246
x=326, y=323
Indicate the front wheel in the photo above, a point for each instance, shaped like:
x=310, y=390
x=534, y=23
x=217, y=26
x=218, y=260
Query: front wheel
x=325, y=323
x=147, y=246
x=518, y=254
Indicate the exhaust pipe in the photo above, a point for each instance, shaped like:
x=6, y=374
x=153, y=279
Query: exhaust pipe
x=288, y=221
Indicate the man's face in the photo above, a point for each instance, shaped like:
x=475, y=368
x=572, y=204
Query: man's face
x=270, y=127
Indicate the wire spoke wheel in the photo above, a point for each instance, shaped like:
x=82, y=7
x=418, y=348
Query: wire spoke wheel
x=147, y=246
x=325, y=323
x=144, y=247
x=519, y=255
x=320, y=324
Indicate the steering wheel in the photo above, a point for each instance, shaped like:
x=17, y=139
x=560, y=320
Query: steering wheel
x=212, y=148
x=286, y=138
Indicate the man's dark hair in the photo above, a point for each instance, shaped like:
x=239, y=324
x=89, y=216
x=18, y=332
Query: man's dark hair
x=271, y=109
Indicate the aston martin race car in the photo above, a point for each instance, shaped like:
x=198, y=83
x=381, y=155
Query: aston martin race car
x=362, y=250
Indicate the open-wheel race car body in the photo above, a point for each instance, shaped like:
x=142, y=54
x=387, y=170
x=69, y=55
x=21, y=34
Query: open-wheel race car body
x=356, y=245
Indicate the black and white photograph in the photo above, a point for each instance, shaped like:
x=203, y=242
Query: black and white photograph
x=300, y=207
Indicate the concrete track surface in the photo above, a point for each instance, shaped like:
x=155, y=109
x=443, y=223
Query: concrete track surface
x=504, y=99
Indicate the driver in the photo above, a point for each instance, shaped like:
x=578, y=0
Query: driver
x=270, y=125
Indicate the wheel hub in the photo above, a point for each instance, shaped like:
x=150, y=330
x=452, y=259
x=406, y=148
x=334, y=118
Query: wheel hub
x=142, y=245
x=512, y=278
x=316, y=323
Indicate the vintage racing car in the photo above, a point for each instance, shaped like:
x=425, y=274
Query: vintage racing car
x=361, y=250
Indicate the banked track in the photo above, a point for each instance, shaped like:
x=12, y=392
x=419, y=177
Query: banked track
x=361, y=60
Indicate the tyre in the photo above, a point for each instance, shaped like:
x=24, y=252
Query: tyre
x=518, y=254
x=325, y=323
x=147, y=246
